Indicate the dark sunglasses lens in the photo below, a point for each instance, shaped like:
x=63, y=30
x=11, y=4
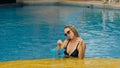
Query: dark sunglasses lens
x=68, y=32
x=65, y=34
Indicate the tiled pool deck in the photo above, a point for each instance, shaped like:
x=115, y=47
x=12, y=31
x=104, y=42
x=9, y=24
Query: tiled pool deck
x=92, y=4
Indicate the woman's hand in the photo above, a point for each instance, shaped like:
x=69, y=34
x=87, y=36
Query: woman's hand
x=59, y=42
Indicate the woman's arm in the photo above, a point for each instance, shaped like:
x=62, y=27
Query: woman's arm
x=81, y=49
x=61, y=44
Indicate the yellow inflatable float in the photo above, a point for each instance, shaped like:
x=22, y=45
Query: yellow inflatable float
x=63, y=63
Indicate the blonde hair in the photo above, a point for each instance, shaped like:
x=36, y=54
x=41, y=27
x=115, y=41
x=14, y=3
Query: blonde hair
x=73, y=29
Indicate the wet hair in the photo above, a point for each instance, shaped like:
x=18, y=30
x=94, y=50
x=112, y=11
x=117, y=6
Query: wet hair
x=73, y=29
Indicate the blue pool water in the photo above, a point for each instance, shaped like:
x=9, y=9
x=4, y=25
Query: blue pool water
x=30, y=32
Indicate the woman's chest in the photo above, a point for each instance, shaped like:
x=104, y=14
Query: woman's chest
x=71, y=48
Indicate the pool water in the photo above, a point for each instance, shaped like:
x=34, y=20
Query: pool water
x=30, y=32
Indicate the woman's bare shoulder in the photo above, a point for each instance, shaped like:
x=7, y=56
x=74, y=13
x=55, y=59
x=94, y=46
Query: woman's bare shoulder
x=82, y=42
x=80, y=39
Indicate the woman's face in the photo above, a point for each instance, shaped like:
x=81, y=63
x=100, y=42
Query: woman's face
x=68, y=33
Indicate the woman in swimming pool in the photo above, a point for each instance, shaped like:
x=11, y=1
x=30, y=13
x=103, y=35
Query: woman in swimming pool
x=74, y=45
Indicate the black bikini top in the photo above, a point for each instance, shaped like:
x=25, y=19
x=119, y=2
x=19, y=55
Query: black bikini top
x=75, y=52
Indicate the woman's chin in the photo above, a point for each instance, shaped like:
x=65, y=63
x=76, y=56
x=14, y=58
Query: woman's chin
x=69, y=38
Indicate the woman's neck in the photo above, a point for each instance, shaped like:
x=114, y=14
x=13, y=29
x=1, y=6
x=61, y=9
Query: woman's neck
x=74, y=39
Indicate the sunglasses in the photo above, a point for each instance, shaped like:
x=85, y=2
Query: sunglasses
x=68, y=32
